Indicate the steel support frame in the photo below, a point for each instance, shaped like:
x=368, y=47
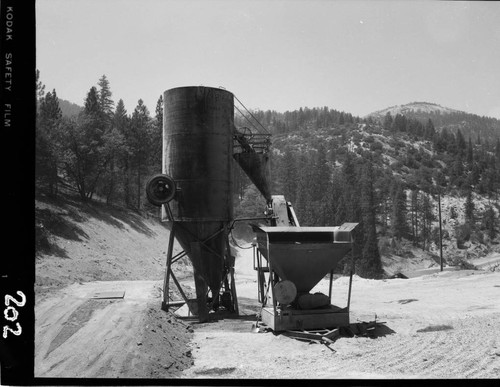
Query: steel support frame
x=169, y=274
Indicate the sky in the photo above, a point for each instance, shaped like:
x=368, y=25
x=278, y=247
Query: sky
x=353, y=56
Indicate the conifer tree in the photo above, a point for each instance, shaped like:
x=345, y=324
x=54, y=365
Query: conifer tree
x=104, y=97
x=470, y=154
x=140, y=145
x=370, y=265
x=290, y=175
x=430, y=130
x=490, y=222
x=415, y=211
x=304, y=194
x=319, y=181
x=460, y=141
x=388, y=121
x=91, y=104
x=156, y=137
x=40, y=89
x=469, y=207
x=427, y=216
x=46, y=141
x=398, y=223
x=121, y=122
x=83, y=141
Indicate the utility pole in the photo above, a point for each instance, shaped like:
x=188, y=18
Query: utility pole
x=440, y=231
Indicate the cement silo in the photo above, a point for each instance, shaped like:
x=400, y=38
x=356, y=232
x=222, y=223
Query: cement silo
x=196, y=183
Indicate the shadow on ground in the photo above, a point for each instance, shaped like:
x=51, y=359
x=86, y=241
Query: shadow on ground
x=64, y=212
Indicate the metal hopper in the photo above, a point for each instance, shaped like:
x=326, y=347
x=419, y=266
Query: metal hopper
x=302, y=256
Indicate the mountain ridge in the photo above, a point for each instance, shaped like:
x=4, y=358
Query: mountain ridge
x=422, y=107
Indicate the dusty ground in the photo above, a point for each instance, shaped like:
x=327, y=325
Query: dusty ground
x=442, y=325
x=437, y=325
x=78, y=336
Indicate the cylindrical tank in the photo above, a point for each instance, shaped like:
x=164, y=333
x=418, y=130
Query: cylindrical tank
x=197, y=153
x=198, y=149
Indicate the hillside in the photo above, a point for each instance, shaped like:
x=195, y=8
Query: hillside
x=471, y=125
x=69, y=109
x=408, y=160
x=79, y=242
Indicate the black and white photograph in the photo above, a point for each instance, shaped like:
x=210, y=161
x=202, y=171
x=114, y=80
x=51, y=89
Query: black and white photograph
x=252, y=190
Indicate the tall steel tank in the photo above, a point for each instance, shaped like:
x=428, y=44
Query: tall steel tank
x=198, y=127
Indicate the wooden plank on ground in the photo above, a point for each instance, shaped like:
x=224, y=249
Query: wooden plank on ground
x=109, y=294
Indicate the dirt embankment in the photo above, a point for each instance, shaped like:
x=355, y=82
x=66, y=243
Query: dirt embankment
x=80, y=242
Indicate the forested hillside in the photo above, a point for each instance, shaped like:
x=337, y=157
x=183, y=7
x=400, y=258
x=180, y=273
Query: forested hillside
x=485, y=129
x=385, y=173
x=69, y=109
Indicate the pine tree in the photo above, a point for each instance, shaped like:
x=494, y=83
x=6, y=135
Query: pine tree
x=341, y=118
x=319, y=181
x=460, y=141
x=490, y=222
x=398, y=223
x=304, y=194
x=430, y=130
x=140, y=145
x=290, y=175
x=497, y=155
x=84, y=143
x=469, y=207
x=156, y=136
x=415, y=211
x=104, y=97
x=40, y=89
x=388, y=121
x=470, y=154
x=121, y=122
x=427, y=216
x=370, y=266
x=91, y=104
x=46, y=142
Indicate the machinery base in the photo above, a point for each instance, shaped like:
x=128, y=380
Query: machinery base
x=292, y=319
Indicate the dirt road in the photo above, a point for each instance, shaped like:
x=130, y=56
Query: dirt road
x=443, y=325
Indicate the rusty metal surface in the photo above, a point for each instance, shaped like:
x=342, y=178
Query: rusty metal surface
x=197, y=151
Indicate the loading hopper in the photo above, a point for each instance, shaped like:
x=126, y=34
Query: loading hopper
x=303, y=255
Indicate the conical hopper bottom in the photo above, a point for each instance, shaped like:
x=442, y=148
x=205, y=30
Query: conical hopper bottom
x=208, y=266
x=257, y=168
x=307, y=263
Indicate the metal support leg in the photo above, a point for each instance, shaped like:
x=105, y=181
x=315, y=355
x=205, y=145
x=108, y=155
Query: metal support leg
x=330, y=288
x=166, y=278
